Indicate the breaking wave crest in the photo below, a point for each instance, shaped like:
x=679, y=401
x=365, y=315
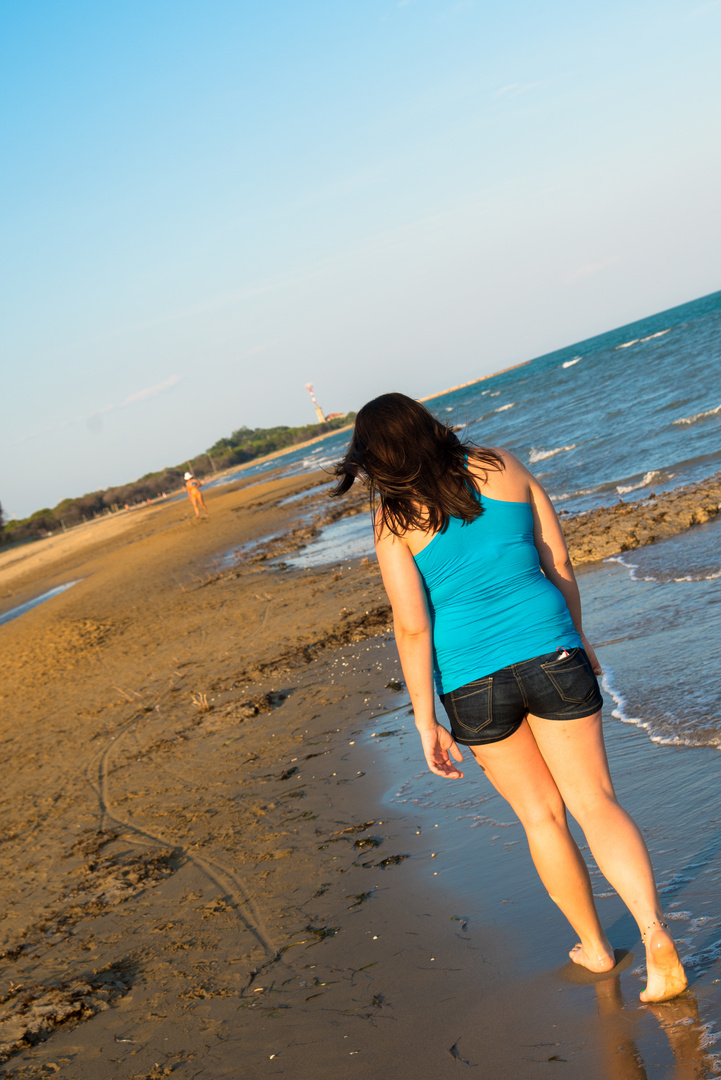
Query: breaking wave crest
x=649, y=477
x=665, y=577
x=698, y=416
x=637, y=340
x=620, y=712
x=542, y=455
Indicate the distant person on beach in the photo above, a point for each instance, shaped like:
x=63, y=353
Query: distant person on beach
x=192, y=486
x=485, y=601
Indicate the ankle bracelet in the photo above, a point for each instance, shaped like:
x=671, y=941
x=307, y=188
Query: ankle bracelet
x=661, y=923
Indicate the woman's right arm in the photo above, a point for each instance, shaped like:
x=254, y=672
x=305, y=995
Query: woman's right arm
x=412, y=626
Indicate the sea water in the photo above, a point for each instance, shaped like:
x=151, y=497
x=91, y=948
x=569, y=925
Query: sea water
x=631, y=411
x=634, y=410
x=16, y=612
x=656, y=614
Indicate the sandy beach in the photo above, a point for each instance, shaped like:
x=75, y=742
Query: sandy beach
x=223, y=855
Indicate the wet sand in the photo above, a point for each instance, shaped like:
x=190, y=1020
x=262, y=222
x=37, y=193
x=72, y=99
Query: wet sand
x=224, y=857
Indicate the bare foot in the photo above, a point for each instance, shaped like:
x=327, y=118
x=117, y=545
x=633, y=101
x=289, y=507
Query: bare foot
x=665, y=977
x=598, y=960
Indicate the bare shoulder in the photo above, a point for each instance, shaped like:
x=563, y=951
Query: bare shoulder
x=512, y=482
x=511, y=462
x=382, y=534
x=380, y=529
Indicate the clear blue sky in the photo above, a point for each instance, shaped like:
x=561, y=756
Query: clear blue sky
x=208, y=204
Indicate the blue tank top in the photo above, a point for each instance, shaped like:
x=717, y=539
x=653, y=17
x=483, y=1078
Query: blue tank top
x=489, y=601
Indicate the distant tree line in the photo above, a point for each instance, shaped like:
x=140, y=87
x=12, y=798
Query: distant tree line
x=248, y=443
x=243, y=445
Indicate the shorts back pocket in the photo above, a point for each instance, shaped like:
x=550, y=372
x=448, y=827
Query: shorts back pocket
x=470, y=708
x=572, y=676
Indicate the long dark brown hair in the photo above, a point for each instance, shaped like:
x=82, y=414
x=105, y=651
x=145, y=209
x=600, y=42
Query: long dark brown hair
x=415, y=466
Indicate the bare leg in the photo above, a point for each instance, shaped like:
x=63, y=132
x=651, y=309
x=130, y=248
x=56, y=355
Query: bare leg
x=576, y=757
x=518, y=771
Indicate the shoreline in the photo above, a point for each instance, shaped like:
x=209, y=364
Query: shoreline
x=349, y=427
x=210, y=863
x=472, y=382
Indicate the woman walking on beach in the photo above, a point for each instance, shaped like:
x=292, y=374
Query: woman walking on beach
x=485, y=600
x=192, y=486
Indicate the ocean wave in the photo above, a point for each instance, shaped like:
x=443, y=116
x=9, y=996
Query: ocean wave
x=623, y=489
x=570, y=363
x=673, y=884
x=631, y=567
x=637, y=340
x=309, y=463
x=678, y=916
x=620, y=712
x=541, y=455
x=714, y=575
x=574, y=494
x=704, y=958
x=698, y=416
x=487, y=416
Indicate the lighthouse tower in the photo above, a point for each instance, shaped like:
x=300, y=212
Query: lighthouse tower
x=318, y=410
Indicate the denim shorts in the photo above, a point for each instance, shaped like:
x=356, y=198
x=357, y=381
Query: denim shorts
x=557, y=686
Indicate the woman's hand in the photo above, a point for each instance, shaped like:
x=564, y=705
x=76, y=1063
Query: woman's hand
x=438, y=747
x=588, y=649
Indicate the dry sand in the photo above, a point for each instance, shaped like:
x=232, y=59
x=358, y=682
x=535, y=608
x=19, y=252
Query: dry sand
x=210, y=871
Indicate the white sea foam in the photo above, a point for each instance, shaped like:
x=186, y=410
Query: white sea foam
x=637, y=340
x=714, y=575
x=700, y=922
x=495, y=393
x=570, y=363
x=700, y=577
x=621, y=710
x=698, y=416
x=573, y=494
x=680, y=740
x=704, y=958
x=502, y=408
x=309, y=463
x=623, y=489
x=541, y=455
x=632, y=567
x=673, y=884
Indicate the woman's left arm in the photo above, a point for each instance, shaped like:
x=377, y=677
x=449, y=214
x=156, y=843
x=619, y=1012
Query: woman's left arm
x=555, y=560
x=413, y=634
